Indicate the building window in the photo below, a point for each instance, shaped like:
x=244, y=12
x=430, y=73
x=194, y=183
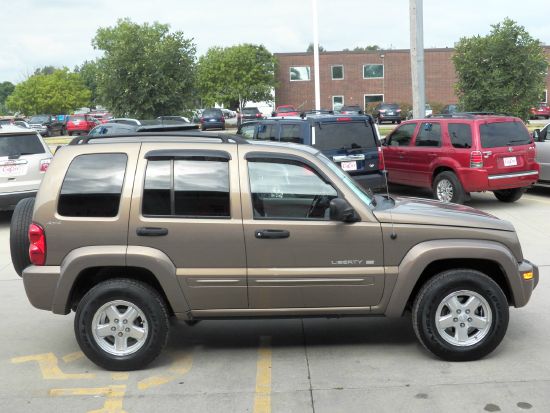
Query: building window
x=337, y=102
x=370, y=99
x=544, y=98
x=299, y=73
x=338, y=72
x=373, y=71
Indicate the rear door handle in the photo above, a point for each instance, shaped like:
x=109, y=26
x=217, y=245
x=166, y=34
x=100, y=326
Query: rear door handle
x=271, y=233
x=152, y=231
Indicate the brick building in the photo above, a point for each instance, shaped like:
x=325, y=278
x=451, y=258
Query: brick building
x=356, y=78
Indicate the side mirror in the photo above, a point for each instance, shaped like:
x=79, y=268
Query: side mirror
x=341, y=210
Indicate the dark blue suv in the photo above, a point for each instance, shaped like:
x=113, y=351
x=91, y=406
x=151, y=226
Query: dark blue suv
x=351, y=141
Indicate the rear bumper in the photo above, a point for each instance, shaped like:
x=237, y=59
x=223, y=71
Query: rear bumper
x=8, y=200
x=389, y=118
x=212, y=125
x=477, y=180
x=374, y=181
x=527, y=286
x=40, y=285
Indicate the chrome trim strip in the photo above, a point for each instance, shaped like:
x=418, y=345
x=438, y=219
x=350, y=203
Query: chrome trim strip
x=513, y=175
x=216, y=281
x=345, y=158
x=309, y=280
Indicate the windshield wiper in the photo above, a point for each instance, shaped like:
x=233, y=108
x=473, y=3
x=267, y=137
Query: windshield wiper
x=516, y=141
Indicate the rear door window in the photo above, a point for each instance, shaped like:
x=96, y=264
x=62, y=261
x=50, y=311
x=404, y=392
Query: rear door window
x=20, y=145
x=93, y=185
x=267, y=132
x=402, y=136
x=499, y=134
x=291, y=133
x=429, y=135
x=460, y=135
x=344, y=135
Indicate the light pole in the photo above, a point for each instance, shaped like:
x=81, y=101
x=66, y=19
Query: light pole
x=316, y=55
x=417, y=58
x=383, y=77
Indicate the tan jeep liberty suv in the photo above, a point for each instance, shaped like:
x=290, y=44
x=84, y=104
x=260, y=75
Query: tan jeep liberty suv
x=129, y=231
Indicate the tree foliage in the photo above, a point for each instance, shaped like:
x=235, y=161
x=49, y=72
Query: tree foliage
x=239, y=73
x=369, y=48
x=89, y=73
x=58, y=92
x=6, y=89
x=502, y=72
x=310, y=48
x=46, y=70
x=146, y=70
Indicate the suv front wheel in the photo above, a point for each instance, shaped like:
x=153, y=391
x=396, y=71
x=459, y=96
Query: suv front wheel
x=122, y=324
x=460, y=315
x=509, y=195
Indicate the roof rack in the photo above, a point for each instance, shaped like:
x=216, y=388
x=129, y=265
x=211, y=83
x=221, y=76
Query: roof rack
x=224, y=138
x=315, y=112
x=468, y=115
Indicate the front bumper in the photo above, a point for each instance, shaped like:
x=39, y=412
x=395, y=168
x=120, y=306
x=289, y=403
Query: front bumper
x=8, y=200
x=389, y=118
x=522, y=297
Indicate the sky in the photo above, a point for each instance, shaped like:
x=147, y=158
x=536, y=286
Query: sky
x=37, y=33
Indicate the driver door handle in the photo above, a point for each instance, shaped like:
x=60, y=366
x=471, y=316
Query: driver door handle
x=271, y=233
x=151, y=231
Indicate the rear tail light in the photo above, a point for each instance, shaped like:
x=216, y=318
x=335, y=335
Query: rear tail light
x=381, y=163
x=37, y=247
x=258, y=115
x=398, y=110
x=201, y=120
x=476, y=159
x=44, y=163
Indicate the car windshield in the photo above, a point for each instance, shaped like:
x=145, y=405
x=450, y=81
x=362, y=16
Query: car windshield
x=77, y=117
x=39, y=119
x=20, y=145
x=344, y=135
x=349, y=181
x=498, y=134
x=250, y=111
x=286, y=109
x=212, y=112
x=389, y=106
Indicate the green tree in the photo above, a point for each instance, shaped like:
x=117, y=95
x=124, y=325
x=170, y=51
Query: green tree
x=310, y=48
x=59, y=92
x=369, y=48
x=146, y=70
x=6, y=89
x=46, y=70
x=89, y=72
x=502, y=72
x=236, y=74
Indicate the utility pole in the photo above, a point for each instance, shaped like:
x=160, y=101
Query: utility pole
x=316, y=55
x=417, y=58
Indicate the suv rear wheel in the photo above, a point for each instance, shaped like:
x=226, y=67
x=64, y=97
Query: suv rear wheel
x=460, y=315
x=447, y=188
x=122, y=324
x=509, y=195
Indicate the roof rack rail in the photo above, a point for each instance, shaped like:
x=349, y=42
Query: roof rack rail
x=468, y=115
x=224, y=138
x=316, y=111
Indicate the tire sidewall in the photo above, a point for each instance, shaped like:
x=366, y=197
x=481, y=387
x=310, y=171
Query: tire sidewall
x=426, y=309
x=458, y=191
x=136, y=293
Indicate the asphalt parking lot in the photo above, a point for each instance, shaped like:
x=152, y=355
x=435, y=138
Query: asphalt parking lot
x=290, y=365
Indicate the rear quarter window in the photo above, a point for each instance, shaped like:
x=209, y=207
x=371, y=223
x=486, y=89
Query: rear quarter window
x=93, y=185
x=498, y=134
x=20, y=145
x=460, y=135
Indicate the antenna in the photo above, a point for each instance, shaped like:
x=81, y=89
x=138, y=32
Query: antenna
x=393, y=234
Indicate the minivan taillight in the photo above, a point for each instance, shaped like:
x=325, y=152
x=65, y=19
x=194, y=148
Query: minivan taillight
x=37, y=247
x=476, y=159
x=44, y=163
x=381, y=163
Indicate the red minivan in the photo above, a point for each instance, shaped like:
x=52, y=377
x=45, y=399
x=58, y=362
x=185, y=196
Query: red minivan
x=463, y=153
x=81, y=124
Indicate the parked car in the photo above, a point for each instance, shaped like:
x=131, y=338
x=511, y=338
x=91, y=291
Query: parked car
x=81, y=124
x=387, y=112
x=212, y=118
x=428, y=112
x=131, y=234
x=285, y=110
x=351, y=110
x=47, y=125
x=463, y=154
x=251, y=113
x=22, y=124
x=541, y=111
x=542, y=142
x=228, y=113
x=24, y=157
x=351, y=141
x=450, y=109
x=102, y=117
x=126, y=121
x=171, y=119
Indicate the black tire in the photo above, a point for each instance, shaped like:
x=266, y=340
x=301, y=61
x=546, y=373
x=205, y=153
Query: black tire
x=19, y=234
x=70, y=134
x=139, y=294
x=378, y=120
x=509, y=195
x=433, y=293
x=398, y=122
x=457, y=195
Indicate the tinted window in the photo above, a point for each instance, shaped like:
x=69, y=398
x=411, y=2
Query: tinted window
x=267, y=132
x=251, y=111
x=247, y=131
x=392, y=106
x=402, y=135
x=93, y=185
x=291, y=133
x=200, y=189
x=20, y=145
x=212, y=113
x=286, y=109
x=429, y=135
x=288, y=190
x=497, y=134
x=349, y=135
x=39, y=119
x=461, y=135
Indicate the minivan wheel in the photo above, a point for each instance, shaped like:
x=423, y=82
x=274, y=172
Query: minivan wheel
x=122, y=324
x=460, y=315
x=19, y=234
x=447, y=188
x=509, y=195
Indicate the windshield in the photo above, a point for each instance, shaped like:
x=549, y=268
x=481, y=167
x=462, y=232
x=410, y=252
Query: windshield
x=20, y=145
x=344, y=135
x=250, y=111
x=498, y=134
x=389, y=106
x=286, y=109
x=350, y=183
x=39, y=119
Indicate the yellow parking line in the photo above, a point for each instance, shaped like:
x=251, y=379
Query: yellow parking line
x=262, y=400
x=181, y=366
x=114, y=396
x=49, y=367
x=69, y=358
x=120, y=376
